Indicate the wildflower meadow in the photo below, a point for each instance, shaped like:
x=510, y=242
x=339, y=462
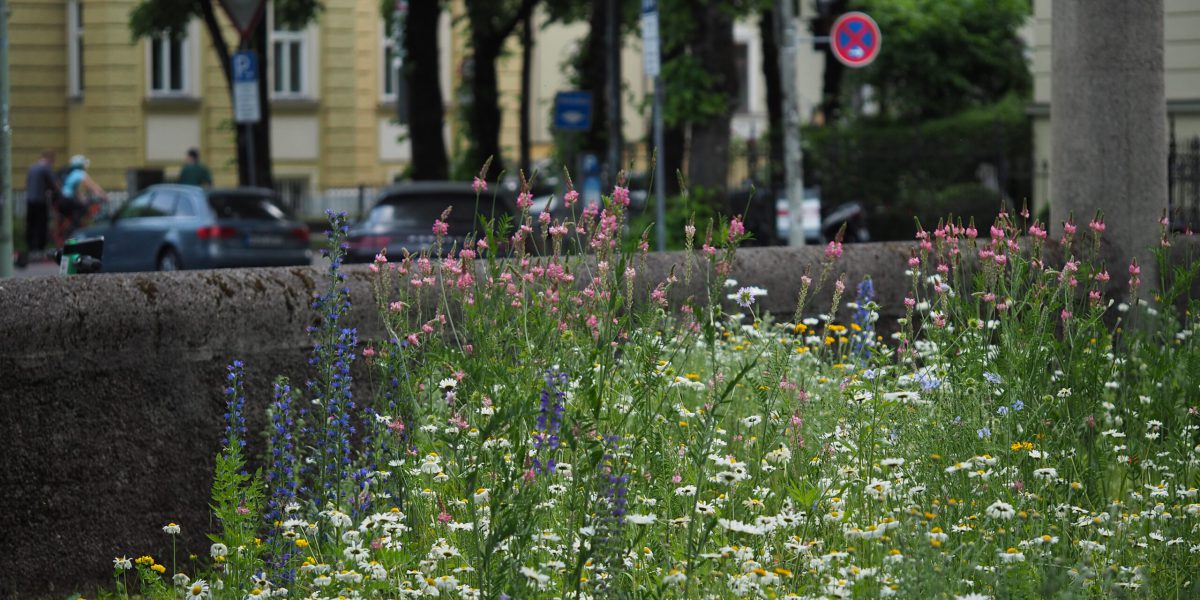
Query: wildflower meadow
x=550, y=424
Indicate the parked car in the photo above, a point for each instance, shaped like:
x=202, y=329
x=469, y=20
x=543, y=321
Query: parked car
x=403, y=216
x=169, y=227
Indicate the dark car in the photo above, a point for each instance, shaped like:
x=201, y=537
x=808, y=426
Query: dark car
x=403, y=217
x=169, y=227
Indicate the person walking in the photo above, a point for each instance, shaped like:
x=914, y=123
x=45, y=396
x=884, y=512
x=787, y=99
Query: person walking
x=193, y=171
x=41, y=191
x=76, y=188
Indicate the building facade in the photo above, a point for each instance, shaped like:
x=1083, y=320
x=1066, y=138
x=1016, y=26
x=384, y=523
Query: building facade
x=81, y=86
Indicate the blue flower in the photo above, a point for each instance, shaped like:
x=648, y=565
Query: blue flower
x=984, y=433
x=992, y=377
x=1003, y=410
x=1018, y=405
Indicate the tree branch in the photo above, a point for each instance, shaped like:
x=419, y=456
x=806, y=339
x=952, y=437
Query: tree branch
x=501, y=33
x=218, y=41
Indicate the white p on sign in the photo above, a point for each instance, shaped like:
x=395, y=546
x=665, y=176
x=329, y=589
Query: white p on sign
x=245, y=87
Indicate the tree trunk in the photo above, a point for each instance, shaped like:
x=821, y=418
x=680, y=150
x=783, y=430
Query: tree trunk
x=485, y=109
x=775, y=125
x=526, y=90
x=264, y=176
x=427, y=122
x=671, y=156
x=487, y=42
x=593, y=71
x=708, y=155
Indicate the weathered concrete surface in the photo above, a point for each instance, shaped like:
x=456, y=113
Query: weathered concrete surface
x=111, y=405
x=1108, y=119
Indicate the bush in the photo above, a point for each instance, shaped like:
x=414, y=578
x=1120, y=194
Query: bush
x=897, y=170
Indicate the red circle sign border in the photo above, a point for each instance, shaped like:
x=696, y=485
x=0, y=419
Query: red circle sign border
x=874, y=27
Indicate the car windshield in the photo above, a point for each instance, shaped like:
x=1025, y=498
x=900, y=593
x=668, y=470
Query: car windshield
x=422, y=212
x=245, y=206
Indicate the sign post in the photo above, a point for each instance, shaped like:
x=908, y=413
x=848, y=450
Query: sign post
x=246, y=109
x=652, y=64
x=855, y=39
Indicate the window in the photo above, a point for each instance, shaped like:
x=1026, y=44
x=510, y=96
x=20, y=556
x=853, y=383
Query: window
x=289, y=61
x=75, y=48
x=168, y=66
x=162, y=205
x=389, y=68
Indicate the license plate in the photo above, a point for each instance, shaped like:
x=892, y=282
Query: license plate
x=264, y=240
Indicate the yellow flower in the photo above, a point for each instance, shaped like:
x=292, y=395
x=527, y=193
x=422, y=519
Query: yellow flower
x=301, y=543
x=159, y=569
x=144, y=560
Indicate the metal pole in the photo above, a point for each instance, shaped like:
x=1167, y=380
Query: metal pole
x=252, y=172
x=612, y=41
x=660, y=178
x=6, y=221
x=793, y=161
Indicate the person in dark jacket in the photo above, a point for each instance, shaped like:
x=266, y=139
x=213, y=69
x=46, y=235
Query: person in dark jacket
x=193, y=171
x=41, y=192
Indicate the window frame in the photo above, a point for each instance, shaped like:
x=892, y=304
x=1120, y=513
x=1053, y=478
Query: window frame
x=306, y=40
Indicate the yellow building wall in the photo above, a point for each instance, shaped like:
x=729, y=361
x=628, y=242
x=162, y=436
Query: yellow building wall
x=38, y=70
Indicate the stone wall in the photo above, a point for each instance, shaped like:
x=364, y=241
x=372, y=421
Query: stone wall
x=111, y=404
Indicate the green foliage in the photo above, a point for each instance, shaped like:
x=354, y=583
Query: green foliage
x=171, y=17
x=939, y=57
x=237, y=505
x=926, y=171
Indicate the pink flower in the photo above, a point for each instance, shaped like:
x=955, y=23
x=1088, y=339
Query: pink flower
x=690, y=231
x=1097, y=225
x=909, y=301
x=479, y=185
x=833, y=250
x=1094, y=296
x=444, y=517
x=1134, y=269
x=972, y=233
x=736, y=228
x=396, y=306
x=544, y=218
x=840, y=286
x=524, y=200
x=1065, y=314
x=381, y=257
x=914, y=262
x=621, y=195
x=1037, y=231
x=571, y=197
x=368, y=352
x=989, y=297
x=805, y=280
x=676, y=478
x=1102, y=276
x=1069, y=228
x=943, y=268
x=441, y=227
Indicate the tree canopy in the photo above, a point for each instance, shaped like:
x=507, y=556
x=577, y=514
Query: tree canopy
x=941, y=57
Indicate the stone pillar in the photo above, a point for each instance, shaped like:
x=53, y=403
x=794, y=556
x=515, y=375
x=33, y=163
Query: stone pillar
x=1108, y=121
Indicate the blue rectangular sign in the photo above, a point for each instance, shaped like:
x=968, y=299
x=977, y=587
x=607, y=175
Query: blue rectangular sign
x=573, y=111
x=245, y=66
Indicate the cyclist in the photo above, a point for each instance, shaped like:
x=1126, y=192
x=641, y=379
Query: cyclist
x=79, y=193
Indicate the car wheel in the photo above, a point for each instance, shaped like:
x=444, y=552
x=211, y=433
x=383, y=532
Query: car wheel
x=168, y=260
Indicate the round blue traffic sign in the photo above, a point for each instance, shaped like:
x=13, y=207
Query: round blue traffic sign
x=855, y=39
